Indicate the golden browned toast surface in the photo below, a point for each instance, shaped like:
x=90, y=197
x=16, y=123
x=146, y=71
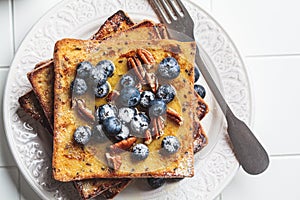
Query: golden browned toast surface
x=71, y=163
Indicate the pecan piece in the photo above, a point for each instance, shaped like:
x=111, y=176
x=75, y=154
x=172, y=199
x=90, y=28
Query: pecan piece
x=152, y=81
x=139, y=86
x=146, y=56
x=112, y=96
x=174, y=116
x=135, y=64
x=122, y=145
x=140, y=67
x=113, y=161
x=148, y=137
x=82, y=109
x=157, y=127
x=132, y=65
x=160, y=126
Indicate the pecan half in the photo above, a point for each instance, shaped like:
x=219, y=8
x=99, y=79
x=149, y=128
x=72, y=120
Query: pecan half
x=112, y=96
x=132, y=65
x=157, y=127
x=174, y=116
x=82, y=109
x=135, y=64
x=122, y=145
x=146, y=56
x=113, y=161
x=139, y=66
x=160, y=125
x=148, y=137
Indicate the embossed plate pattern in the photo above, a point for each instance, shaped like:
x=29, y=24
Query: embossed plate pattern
x=31, y=146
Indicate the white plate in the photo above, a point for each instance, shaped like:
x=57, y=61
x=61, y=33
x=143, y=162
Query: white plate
x=30, y=144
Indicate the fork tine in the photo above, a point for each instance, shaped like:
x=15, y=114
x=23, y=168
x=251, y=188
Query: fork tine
x=171, y=3
x=182, y=7
x=158, y=11
x=166, y=9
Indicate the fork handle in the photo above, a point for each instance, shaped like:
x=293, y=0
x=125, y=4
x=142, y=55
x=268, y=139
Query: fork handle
x=248, y=151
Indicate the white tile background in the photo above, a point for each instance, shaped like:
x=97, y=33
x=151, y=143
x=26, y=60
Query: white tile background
x=266, y=32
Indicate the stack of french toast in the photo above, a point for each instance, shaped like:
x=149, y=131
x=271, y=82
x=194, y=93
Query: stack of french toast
x=120, y=105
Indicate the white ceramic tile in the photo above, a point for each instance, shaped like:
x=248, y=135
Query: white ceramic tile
x=6, y=39
x=9, y=181
x=261, y=27
x=26, y=14
x=280, y=181
x=26, y=192
x=6, y=158
x=276, y=86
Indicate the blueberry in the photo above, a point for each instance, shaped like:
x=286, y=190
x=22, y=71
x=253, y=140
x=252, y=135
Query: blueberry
x=123, y=135
x=196, y=74
x=105, y=111
x=128, y=80
x=146, y=98
x=156, y=182
x=140, y=152
x=129, y=97
x=102, y=90
x=98, y=133
x=139, y=124
x=97, y=76
x=126, y=114
x=200, y=90
x=83, y=69
x=170, y=145
x=157, y=108
x=79, y=86
x=169, y=68
x=166, y=93
x=82, y=135
x=112, y=126
x=108, y=67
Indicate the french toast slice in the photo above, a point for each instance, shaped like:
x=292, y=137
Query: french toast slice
x=73, y=162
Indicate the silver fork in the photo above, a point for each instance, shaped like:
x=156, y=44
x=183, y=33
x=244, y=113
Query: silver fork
x=248, y=151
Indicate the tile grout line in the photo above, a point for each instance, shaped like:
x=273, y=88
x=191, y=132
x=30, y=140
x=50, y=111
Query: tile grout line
x=273, y=55
x=284, y=155
x=12, y=18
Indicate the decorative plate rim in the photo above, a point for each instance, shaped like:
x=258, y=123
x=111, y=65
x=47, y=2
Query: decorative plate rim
x=8, y=117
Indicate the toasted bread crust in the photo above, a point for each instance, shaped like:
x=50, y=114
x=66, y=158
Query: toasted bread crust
x=31, y=105
x=116, y=23
x=42, y=80
x=110, y=193
x=94, y=187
